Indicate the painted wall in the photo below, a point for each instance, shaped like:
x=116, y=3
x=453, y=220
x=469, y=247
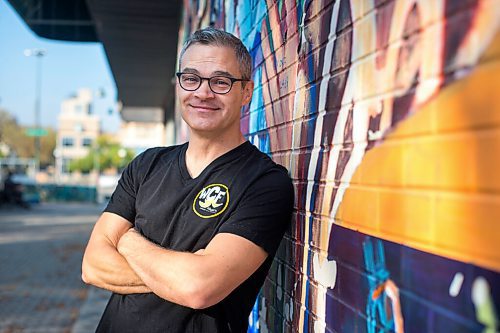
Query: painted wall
x=387, y=115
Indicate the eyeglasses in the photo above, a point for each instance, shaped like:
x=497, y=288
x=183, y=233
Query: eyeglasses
x=218, y=84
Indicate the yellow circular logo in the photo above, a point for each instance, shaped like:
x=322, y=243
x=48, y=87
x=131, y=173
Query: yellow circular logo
x=211, y=201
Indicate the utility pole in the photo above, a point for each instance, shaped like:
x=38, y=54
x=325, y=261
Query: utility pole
x=38, y=53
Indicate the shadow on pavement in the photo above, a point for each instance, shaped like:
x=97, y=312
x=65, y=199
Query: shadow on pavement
x=40, y=255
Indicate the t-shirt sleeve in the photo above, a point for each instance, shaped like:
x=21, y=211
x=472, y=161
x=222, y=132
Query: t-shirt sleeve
x=122, y=201
x=264, y=213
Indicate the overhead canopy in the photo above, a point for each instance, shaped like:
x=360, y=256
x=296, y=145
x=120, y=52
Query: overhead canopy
x=139, y=37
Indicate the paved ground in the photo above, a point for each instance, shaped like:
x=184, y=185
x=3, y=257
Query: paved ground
x=40, y=258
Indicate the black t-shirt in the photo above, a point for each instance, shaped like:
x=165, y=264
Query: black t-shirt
x=242, y=192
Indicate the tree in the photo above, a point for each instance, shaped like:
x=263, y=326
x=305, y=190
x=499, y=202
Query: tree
x=105, y=154
x=48, y=144
x=9, y=130
x=8, y=124
x=21, y=145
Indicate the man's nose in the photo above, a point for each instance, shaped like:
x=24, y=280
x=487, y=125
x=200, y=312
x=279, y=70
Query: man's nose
x=204, y=90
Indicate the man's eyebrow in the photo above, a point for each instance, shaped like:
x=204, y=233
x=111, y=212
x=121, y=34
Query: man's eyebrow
x=214, y=73
x=190, y=70
x=222, y=73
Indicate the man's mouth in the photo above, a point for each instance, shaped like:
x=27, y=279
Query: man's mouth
x=204, y=107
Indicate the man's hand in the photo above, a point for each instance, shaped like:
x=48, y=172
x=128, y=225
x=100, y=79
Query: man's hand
x=196, y=280
x=102, y=265
x=127, y=238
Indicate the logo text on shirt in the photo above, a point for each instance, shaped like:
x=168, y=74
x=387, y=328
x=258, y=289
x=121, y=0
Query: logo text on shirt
x=211, y=201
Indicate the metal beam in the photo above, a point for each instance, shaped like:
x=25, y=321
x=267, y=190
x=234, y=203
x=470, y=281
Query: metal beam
x=139, y=38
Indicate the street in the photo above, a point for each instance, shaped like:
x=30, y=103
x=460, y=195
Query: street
x=40, y=258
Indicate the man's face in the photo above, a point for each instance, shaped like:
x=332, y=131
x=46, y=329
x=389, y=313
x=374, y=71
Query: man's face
x=204, y=111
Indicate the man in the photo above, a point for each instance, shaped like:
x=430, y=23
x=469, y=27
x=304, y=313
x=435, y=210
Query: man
x=189, y=234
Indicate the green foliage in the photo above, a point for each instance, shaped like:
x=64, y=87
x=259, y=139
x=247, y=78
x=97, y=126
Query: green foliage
x=21, y=145
x=85, y=164
x=47, y=146
x=105, y=154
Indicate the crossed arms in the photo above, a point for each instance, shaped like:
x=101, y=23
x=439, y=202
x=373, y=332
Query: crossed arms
x=121, y=260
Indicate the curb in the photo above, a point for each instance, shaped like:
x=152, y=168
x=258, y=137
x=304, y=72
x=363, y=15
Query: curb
x=91, y=311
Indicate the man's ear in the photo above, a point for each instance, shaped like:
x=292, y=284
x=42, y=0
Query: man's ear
x=247, y=92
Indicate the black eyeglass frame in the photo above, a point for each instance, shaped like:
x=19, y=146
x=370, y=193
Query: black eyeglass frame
x=233, y=80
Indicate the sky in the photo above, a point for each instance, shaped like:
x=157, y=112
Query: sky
x=66, y=67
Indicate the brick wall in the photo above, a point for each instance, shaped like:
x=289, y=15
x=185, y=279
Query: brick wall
x=387, y=115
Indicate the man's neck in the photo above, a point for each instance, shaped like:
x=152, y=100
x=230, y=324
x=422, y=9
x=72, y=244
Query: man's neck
x=202, y=151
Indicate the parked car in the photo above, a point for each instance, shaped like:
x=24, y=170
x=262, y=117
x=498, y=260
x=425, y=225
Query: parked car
x=29, y=188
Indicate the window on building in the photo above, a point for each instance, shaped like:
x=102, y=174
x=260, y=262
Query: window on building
x=79, y=128
x=68, y=142
x=87, y=142
x=65, y=165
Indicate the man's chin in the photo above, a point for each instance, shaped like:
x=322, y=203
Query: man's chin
x=204, y=127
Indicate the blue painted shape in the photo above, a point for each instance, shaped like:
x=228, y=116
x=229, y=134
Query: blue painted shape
x=253, y=319
x=377, y=276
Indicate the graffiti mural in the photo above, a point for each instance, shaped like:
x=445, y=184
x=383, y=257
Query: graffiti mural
x=384, y=114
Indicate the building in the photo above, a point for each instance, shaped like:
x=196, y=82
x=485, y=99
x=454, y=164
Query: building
x=77, y=131
x=139, y=136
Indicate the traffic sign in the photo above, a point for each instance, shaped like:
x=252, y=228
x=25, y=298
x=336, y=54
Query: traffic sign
x=36, y=132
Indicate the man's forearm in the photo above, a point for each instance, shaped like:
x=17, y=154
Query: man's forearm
x=106, y=268
x=113, y=273
x=197, y=280
x=173, y=279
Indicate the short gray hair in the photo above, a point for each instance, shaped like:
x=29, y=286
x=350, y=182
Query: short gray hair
x=212, y=36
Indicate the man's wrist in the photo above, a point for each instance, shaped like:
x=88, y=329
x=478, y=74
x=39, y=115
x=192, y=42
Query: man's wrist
x=126, y=240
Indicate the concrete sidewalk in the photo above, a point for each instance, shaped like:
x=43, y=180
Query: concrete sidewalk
x=40, y=258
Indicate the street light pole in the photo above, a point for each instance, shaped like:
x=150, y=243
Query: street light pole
x=38, y=53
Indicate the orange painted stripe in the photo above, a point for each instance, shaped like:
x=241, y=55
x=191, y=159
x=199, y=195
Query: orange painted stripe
x=433, y=184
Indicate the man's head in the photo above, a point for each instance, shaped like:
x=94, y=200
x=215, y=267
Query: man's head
x=214, y=83
x=215, y=37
